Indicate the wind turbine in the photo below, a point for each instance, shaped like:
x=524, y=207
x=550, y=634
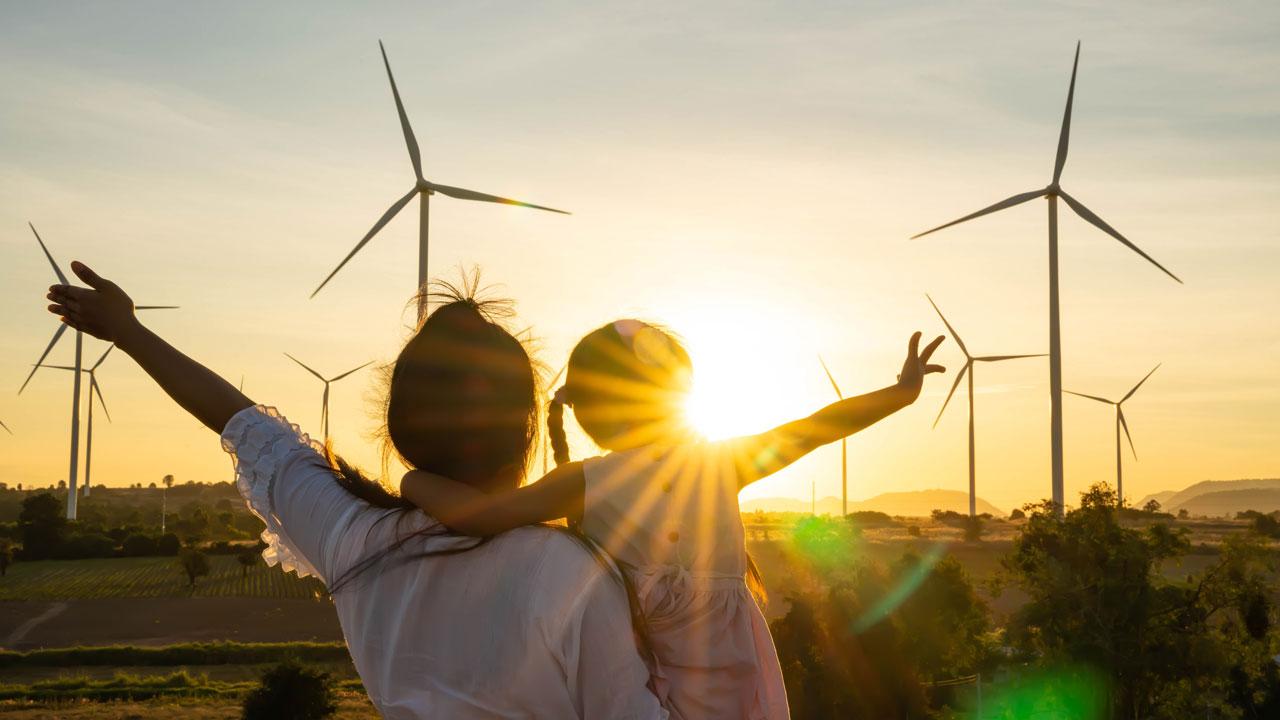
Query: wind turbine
x=968, y=369
x=844, y=449
x=424, y=189
x=546, y=437
x=94, y=388
x=1120, y=424
x=6, y=427
x=75, y=383
x=324, y=409
x=1052, y=192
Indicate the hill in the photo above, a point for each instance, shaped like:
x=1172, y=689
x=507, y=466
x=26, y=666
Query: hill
x=1183, y=499
x=918, y=503
x=1226, y=503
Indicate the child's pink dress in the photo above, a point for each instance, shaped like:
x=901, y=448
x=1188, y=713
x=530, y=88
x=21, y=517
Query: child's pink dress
x=669, y=514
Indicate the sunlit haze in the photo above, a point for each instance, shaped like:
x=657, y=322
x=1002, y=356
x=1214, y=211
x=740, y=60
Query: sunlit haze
x=742, y=174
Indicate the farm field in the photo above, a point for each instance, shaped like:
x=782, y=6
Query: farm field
x=149, y=577
x=351, y=706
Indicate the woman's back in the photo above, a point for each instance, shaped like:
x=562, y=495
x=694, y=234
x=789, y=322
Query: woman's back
x=527, y=625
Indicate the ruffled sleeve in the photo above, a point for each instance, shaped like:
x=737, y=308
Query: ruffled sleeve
x=264, y=448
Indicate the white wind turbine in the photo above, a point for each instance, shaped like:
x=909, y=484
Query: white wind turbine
x=424, y=189
x=968, y=369
x=75, y=383
x=1120, y=424
x=94, y=389
x=324, y=407
x=844, y=449
x=1052, y=192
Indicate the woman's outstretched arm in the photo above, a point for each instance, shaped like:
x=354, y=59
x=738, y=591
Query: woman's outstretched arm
x=759, y=456
x=465, y=509
x=106, y=312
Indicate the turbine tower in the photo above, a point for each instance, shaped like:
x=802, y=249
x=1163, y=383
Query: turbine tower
x=844, y=449
x=1053, y=192
x=324, y=407
x=1120, y=425
x=94, y=388
x=968, y=369
x=72, y=478
x=424, y=189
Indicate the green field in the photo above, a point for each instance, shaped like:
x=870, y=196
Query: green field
x=152, y=577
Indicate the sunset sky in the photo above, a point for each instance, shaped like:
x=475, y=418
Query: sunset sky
x=746, y=173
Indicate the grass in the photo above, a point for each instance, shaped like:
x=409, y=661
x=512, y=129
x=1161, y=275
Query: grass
x=213, y=653
x=152, y=577
x=351, y=706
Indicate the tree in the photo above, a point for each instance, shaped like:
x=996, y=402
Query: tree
x=973, y=528
x=1017, y=514
x=194, y=563
x=168, y=481
x=1152, y=506
x=290, y=691
x=247, y=559
x=1096, y=599
x=6, y=556
x=42, y=526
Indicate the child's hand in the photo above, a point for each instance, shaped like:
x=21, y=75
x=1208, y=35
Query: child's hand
x=104, y=311
x=917, y=366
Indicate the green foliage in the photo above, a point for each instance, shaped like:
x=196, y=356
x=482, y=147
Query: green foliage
x=42, y=526
x=973, y=528
x=1096, y=599
x=290, y=691
x=871, y=519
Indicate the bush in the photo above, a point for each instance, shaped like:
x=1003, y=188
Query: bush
x=168, y=545
x=140, y=546
x=1017, y=514
x=290, y=691
x=973, y=528
x=86, y=545
x=870, y=519
x=913, y=530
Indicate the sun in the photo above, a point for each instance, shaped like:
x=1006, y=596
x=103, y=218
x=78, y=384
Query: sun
x=743, y=383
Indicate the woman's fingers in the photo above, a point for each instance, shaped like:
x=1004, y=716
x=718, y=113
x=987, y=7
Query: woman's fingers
x=934, y=369
x=913, y=346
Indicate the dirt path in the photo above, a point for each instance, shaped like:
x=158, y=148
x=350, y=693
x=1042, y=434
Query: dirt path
x=21, y=631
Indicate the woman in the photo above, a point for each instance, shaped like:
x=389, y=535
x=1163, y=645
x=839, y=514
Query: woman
x=526, y=625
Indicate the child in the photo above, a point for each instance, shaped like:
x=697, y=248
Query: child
x=664, y=504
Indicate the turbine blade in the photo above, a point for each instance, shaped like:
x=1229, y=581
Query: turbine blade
x=830, y=377
x=103, y=358
x=954, y=385
x=1003, y=204
x=56, y=270
x=313, y=372
x=6, y=427
x=1124, y=425
x=998, y=358
x=1091, y=397
x=551, y=384
x=335, y=379
x=58, y=367
x=1064, y=137
x=386, y=218
x=955, y=335
x=409, y=140
x=464, y=194
x=62, y=327
x=1098, y=222
x=96, y=388
x=1135, y=387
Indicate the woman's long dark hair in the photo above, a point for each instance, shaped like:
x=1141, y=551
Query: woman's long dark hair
x=462, y=402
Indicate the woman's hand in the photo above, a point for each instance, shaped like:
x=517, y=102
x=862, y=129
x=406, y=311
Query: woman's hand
x=917, y=366
x=103, y=310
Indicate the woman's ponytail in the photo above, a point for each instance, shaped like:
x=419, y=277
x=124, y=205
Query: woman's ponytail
x=555, y=428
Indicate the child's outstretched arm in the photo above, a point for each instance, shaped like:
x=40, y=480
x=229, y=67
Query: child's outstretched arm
x=106, y=312
x=470, y=511
x=759, y=456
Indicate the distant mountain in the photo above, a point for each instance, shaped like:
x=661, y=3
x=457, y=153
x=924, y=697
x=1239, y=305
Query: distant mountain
x=919, y=503
x=1231, y=496
x=1226, y=503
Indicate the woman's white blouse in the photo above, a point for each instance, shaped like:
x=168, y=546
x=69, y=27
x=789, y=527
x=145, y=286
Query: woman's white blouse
x=528, y=625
